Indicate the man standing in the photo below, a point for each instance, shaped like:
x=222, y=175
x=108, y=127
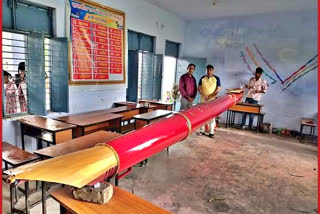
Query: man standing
x=257, y=86
x=188, y=88
x=209, y=87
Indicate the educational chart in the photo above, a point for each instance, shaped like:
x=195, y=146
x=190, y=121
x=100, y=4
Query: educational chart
x=97, y=44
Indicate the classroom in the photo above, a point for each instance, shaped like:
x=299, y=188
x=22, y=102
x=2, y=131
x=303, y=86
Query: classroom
x=159, y=106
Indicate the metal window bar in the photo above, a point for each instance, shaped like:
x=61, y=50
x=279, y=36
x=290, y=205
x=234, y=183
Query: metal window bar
x=140, y=58
x=14, y=51
x=48, y=70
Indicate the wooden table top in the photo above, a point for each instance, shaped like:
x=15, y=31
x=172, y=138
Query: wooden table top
x=122, y=109
x=45, y=123
x=308, y=122
x=77, y=144
x=153, y=115
x=92, y=120
x=156, y=102
x=15, y=155
x=122, y=202
x=133, y=104
x=249, y=104
x=126, y=103
x=94, y=113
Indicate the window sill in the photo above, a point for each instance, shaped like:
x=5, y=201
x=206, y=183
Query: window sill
x=16, y=116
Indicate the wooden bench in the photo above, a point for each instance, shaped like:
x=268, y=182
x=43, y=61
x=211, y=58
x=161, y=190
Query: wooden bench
x=45, y=129
x=122, y=202
x=308, y=123
x=89, y=124
x=14, y=156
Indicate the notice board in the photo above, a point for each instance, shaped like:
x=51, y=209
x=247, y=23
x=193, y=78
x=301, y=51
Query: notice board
x=97, y=43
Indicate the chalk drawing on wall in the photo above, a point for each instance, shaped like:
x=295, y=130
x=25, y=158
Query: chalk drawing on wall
x=267, y=63
x=258, y=65
x=246, y=62
x=311, y=65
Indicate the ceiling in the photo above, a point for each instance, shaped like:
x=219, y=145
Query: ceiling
x=204, y=9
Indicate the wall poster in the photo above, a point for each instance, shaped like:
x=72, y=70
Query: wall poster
x=97, y=43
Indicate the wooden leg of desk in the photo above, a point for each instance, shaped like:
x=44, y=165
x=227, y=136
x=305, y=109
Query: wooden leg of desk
x=116, y=180
x=63, y=210
x=229, y=119
x=22, y=135
x=12, y=198
x=233, y=117
x=26, y=192
x=39, y=144
x=43, y=191
x=301, y=129
x=226, y=125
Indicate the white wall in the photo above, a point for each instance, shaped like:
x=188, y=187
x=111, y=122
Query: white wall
x=142, y=17
x=287, y=40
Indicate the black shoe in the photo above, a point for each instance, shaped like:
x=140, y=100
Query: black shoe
x=200, y=133
x=211, y=135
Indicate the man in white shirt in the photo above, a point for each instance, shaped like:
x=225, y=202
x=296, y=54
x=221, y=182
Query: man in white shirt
x=257, y=86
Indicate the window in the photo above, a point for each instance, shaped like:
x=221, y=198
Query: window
x=141, y=77
x=48, y=69
x=14, y=51
x=28, y=17
x=32, y=93
x=139, y=74
x=140, y=41
x=170, y=69
x=169, y=73
x=172, y=49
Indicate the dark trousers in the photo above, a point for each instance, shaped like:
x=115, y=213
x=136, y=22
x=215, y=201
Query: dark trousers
x=251, y=116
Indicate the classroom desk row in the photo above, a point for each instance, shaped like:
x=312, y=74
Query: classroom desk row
x=155, y=104
x=61, y=129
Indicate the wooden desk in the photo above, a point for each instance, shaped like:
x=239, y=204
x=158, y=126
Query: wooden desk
x=125, y=103
x=142, y=109
x=147, y=118
x=309, y=123
x=48, y=130
x=255, y=109
x=247, y=108
x=159, y=104
x=76, y=144
x=92, y=113
x=15, y=156
x=122, y=202
x=89, y=124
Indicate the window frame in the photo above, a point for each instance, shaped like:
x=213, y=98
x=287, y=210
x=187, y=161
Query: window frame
x=48, y=108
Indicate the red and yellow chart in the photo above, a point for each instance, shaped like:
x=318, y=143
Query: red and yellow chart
x=97, y=41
